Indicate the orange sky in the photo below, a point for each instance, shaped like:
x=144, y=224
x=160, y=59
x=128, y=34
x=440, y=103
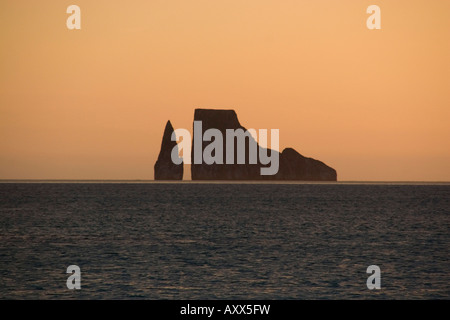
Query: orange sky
x=93, y=103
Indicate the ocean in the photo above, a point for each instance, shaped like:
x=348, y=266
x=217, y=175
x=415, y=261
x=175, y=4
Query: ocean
x=224, y=240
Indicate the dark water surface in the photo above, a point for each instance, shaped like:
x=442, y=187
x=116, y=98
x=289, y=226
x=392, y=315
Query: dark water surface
x=224, y=241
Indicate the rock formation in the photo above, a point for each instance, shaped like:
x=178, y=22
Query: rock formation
x=292, y=165
x=165, y=169
x=221, y=120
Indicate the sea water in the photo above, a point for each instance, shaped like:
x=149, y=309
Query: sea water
x=224, y=240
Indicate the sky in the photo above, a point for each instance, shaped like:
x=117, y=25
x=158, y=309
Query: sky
x=93, y=103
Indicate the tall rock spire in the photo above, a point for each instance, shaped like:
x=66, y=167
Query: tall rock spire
x=165, y=169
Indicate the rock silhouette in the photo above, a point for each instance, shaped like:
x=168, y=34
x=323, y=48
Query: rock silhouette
x=292, y=165
x=221, y=120
x=165, y=169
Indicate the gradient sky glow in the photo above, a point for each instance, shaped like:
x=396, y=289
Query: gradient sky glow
x=93, y=103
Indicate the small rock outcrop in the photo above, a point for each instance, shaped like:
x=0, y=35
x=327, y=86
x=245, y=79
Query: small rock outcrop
x=294, y=166
x=165, y=169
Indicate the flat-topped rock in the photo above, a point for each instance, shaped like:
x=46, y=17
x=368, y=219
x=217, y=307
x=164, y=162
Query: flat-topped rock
x=292, y=165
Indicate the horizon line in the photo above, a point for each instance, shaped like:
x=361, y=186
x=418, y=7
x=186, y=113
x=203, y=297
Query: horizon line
x=222, y=181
